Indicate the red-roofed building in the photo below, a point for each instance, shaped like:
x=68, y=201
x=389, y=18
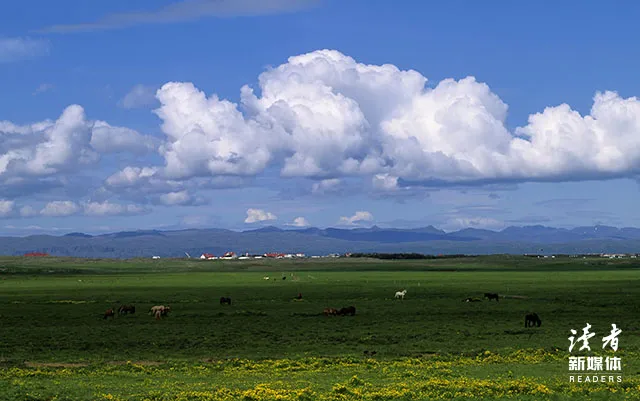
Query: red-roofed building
x=207, y=256
x=229, y=255
x=36, y=254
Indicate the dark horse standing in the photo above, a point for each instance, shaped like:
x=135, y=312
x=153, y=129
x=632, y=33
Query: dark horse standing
x=532, y=319
x=124, y=309
x=225, y=300
x=491, y=296
x=349, y=310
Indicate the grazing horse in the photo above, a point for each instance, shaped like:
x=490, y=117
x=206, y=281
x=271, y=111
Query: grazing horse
x=124, y=309
x=491, y=296
x=532, y=319
x=401, y=294
x=349, y=310
x=330, y=312
x=225, y=300
x=109, y=313
x=160, y=310
x=299, y=296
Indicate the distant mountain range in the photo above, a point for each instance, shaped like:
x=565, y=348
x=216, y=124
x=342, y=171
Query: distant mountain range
x=317, y=241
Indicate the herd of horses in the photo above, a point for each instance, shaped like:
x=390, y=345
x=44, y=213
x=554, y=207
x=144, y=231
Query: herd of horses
x=159, y=311
x=348, y=311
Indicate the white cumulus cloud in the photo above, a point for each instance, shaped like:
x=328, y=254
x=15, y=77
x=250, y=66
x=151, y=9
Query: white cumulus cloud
x=325, y=116
x=176, y=198
x=50, y=153
x=359, y=216
x=6, y=207
x=331, y=119
x=111, y=209
x=258, y=215
x=300, y=222
x=60, y=208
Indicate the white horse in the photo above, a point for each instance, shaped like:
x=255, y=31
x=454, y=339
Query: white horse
x=401, y=294
x=159, y=310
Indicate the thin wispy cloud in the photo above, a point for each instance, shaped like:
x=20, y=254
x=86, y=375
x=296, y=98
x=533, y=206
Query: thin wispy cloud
x=19, y=49
x=43, y=88
x=187, y=10
x=563, y=203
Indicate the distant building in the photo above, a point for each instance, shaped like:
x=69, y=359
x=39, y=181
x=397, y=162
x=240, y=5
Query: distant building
x=229, y=255
x=155, y=257
x=207, y=256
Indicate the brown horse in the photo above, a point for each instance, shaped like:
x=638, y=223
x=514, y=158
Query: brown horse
x=225, y=300
x=349, y=310
x=109, y=313
x=124, y=309
x=330, y=312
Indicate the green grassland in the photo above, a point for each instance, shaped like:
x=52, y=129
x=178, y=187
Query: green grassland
x=55, y=343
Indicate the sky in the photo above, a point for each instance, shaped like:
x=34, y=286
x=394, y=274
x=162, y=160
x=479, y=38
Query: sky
x=168, y=114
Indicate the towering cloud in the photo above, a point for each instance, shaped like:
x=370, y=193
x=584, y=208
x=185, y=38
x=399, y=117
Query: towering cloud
x=323, y=115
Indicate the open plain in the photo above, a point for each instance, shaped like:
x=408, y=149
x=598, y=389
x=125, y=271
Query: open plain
x=269, y=345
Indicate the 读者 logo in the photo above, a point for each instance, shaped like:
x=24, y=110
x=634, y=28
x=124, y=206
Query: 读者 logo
x=595, y=368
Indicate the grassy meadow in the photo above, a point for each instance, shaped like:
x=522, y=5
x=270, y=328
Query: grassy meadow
x=267, y=345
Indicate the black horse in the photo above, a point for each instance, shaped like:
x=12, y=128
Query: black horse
x=124, y=309
x=532, y=319
x=349, y=310
x=225, y=300
x=491, y=296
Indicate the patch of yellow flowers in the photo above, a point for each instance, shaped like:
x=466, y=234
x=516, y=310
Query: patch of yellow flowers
x=330, y=379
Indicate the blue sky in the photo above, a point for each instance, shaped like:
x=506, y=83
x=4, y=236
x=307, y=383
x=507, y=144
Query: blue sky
x=121, y=115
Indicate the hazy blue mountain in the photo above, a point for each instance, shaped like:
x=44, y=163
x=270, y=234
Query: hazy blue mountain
x=321, y=241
